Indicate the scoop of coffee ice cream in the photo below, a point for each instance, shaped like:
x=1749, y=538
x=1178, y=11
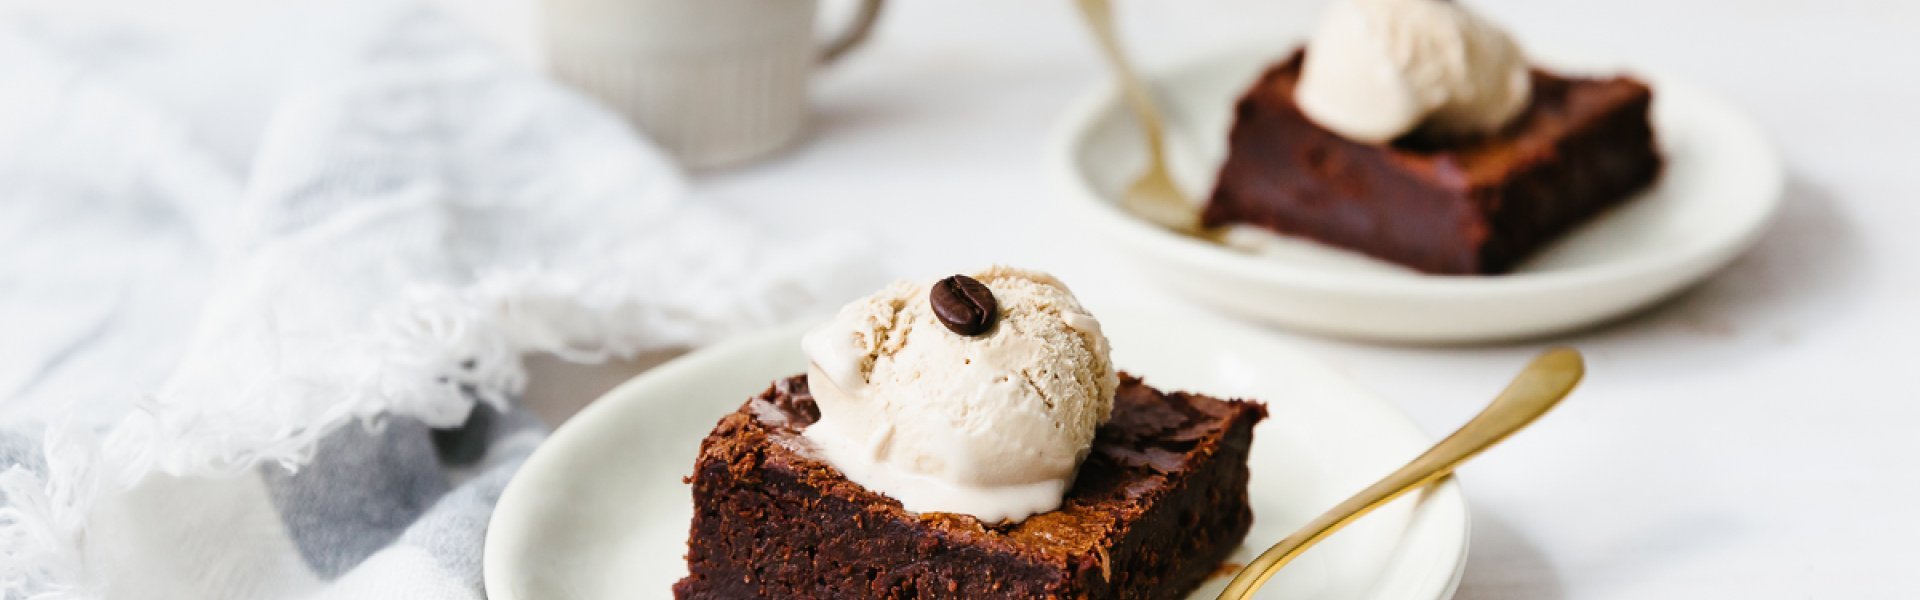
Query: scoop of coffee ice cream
x=993, y=424
x=1378, y=69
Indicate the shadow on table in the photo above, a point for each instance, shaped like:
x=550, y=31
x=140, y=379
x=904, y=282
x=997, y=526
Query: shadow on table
x=1504, y=564
x=1811, y=256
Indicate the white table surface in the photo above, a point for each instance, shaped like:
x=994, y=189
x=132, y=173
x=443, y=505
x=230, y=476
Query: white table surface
x=1749, y=439
x=1746, y=440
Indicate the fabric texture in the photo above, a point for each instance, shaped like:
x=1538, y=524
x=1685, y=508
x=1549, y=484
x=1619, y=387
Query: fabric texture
x=264, y=332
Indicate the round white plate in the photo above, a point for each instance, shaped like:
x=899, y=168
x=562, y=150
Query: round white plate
x=599, y=512
x=1721, y=187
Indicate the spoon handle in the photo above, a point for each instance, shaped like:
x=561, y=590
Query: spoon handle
x=1535, y=391
x=1099, y=16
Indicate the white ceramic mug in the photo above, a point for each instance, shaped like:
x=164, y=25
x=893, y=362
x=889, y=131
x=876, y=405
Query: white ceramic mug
x=715, y=82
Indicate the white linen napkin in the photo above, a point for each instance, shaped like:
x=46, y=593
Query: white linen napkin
x=263, y=336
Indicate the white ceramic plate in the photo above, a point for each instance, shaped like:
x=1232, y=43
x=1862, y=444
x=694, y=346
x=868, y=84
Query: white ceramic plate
x=1720, y=189
x=599, y=512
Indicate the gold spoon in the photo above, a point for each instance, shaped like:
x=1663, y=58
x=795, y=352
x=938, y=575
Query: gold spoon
x=1153, y=196
x=1535, y=391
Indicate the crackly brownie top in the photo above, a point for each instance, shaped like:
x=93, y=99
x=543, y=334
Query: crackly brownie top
x=1152, y=439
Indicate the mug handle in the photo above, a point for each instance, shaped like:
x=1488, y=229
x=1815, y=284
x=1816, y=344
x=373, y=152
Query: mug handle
x=855, y=34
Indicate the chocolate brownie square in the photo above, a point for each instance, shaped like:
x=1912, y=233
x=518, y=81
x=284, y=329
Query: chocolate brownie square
x=1159, y=503
x=1477, y=205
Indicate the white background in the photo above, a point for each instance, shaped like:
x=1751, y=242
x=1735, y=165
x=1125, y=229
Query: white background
x=1754, y=438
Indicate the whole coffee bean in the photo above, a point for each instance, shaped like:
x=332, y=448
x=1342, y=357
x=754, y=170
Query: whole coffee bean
x=964, y=305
